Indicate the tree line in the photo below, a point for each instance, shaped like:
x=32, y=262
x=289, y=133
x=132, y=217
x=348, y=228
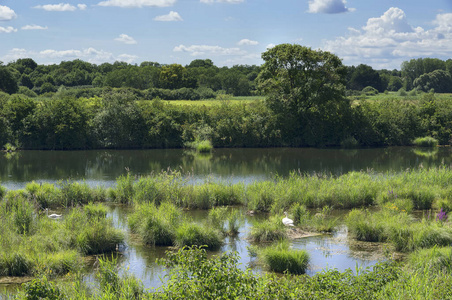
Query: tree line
x=305, y=106
x=201, y=79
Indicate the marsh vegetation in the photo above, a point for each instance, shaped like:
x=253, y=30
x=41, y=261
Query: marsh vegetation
x=405, y=212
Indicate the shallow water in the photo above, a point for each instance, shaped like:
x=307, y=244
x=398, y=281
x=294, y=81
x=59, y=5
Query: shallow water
x=334, y=251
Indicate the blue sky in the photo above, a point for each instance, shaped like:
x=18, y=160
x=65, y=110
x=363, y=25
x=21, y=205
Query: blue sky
x=381, y=33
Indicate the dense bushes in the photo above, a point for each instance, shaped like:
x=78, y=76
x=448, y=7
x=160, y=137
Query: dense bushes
x=118, y=120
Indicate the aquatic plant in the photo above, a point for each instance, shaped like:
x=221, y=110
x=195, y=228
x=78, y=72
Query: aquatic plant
x=268, y=231
x=192, y=234
x=280, y=258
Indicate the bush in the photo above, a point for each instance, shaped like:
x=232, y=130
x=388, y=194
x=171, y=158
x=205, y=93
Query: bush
x=41, y=288
x=426, y=142
x=370, y=91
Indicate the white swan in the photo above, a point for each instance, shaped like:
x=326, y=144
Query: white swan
x=52, y=216
x=286, y=221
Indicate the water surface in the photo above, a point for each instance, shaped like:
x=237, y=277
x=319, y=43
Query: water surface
x=102, y=167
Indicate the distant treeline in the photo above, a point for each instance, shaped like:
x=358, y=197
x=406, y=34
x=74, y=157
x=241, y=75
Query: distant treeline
x=201, y=79
x=119, y=120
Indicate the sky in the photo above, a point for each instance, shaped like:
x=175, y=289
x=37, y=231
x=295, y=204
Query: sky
x=381, y=33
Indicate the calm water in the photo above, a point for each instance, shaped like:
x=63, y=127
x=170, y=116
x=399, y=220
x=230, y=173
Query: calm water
x=102, y=167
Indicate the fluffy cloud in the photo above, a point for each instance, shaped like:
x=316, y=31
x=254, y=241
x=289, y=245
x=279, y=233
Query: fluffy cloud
x=6, y=13
x=127, y=58
x=386, y=41
x=8, y=29
x=172, y=16
x=34, y=27
x=57, y=7
x=222, y=1
x=247, y=42
x=196, y=50
x=137, y=3
x=124, y=38
x=328, y=6
x=61, y=7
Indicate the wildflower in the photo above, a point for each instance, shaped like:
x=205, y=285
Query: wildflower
x=441, y=216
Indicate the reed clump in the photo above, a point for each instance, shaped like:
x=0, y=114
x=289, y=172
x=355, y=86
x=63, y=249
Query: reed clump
x=268, y=231
x=165, y=226
x=280, y=258
x=398, y=228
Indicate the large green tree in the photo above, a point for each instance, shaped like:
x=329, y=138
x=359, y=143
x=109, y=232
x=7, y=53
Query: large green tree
x=306, y=90
x=8, y=83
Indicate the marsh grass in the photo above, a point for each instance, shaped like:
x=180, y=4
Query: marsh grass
x=268, y=231
x=193, y=234
x=436, y=259
x=280, y=258
x=400, y=229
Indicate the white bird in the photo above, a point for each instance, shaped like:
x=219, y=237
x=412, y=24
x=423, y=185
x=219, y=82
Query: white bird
x=52, y=216
x=286, y=221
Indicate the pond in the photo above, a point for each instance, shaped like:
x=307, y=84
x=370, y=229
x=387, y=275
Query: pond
x=102, y=167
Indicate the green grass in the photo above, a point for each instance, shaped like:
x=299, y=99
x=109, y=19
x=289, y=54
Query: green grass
x=398, y=228
x=268, y=231
x=279, y=258
x=192, y=234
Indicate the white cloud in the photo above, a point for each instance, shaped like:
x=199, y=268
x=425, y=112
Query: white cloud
x=247, y=42
x=8, y=29
x=127, y=58
x=196, y=50
x=172, y=16
x=328, y=6
x=6, y=13
x=51, y=56
x=81, y=6
x=57, y=7
x=386, y=41
x=34, y=27
x=269, y=46
x=124, y=38
x=137, y=3
x=222, y=1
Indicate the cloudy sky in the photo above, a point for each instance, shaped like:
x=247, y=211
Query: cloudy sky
x=380, y=33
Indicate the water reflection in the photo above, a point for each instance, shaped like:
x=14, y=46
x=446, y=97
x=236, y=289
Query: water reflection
x=102, y=167
x=326, y=251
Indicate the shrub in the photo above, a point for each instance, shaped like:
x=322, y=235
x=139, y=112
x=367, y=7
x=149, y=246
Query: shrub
x=426, y=142
x=41, y=288
x=370, y=91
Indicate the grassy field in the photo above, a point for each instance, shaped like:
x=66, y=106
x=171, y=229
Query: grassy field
x=220, y=100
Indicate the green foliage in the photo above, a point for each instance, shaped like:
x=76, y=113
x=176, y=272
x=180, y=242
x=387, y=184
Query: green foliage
x=427, y=141
x=279, y=258
x=192, y=234
x=268, y=231
x=397, y=227
x=41, y=288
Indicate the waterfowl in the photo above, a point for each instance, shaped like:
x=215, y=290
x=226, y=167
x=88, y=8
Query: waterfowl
x=286, y=221
x=52, y=216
